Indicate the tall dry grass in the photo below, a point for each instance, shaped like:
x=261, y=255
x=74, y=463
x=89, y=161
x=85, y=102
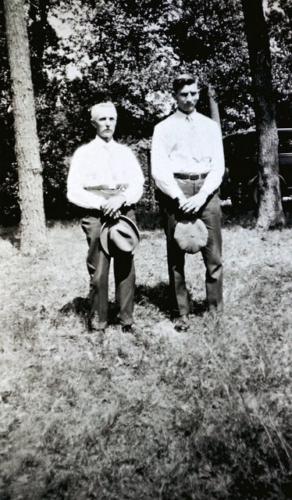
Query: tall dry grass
x=157, y=414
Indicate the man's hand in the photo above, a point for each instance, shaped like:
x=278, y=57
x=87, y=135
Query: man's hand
x=194, y=203
x=181, y=200
x=111, y=208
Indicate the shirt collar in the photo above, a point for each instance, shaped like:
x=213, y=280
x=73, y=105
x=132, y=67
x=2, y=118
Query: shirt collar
x=188, y=117
x=106, y=145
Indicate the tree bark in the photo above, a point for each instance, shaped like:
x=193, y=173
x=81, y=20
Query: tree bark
x=270, y=212
x=33, y=227
x=213, y=104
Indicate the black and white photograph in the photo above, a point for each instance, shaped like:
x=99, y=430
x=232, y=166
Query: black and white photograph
x=145, y=249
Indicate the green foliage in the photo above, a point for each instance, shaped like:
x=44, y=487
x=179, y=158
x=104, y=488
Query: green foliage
x=279, y=17
x=129, y=51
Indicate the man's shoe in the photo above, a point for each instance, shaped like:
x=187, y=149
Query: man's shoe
x=94, y=325
x=182, y=323
x=212, y=309
x=127, y=328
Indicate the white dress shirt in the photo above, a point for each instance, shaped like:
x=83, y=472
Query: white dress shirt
x=189, y=144
x=103, y=163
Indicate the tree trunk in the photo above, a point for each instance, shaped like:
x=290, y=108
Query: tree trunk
x=270, y=205
x=213, y=105
x=33, y=227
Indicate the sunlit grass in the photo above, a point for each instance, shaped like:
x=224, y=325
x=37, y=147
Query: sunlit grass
x=157, y=414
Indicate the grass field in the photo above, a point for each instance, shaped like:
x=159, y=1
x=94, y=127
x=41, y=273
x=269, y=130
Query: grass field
x=157, y=414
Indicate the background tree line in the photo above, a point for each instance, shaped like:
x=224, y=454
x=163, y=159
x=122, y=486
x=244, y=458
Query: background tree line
x=129, y=51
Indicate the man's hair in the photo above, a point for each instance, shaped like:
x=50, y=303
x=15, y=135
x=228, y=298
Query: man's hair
x=181, y=80
x=98, y=107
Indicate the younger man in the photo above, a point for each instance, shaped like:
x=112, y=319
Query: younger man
x=188, y=166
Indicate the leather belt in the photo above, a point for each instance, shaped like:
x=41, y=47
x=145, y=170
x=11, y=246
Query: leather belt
x=191, y=177
x=92, y=212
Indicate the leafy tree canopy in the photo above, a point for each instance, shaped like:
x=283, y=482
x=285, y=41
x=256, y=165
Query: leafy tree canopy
x=86, y=50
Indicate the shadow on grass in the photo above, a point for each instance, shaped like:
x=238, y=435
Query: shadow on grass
x=158, y=295
x=80, y=307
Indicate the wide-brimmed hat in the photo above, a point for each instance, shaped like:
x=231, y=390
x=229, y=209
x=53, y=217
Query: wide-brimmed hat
x=122, y=234
x=191, y=236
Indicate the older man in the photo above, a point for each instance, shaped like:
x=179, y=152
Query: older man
x=105, y=179
x=188, y=166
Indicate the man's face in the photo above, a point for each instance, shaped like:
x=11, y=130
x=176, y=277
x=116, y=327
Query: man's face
x=187, y=98
x=105, y=122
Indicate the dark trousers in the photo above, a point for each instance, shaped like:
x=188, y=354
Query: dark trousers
x=212, y=253
x=98, y=265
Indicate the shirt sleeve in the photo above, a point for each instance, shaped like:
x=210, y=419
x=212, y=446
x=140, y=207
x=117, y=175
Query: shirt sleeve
x=215, y=176
x=135, y=178
x=161, y=167
x=75, y=185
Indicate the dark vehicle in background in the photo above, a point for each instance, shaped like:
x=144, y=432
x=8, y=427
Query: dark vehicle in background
x=242, y=171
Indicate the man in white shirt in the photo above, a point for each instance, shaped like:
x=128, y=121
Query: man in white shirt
x=188, y=166
x=106, y=180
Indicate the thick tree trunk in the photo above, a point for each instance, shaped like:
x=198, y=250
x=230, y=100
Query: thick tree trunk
x=213, y=105
x=270, y=204
x=33, y=227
